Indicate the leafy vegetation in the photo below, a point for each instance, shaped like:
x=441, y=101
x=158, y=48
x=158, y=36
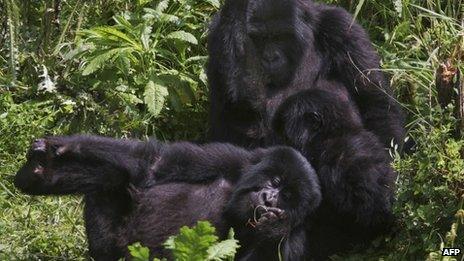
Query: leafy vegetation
x=136, y=69
x=197, y=243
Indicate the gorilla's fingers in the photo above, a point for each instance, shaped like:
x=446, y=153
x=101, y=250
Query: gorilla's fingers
x=39, y=145
x=39, y=170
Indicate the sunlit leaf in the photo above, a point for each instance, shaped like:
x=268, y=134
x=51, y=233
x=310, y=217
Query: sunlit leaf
x=154, y=97
x=99, y=61
x=183, y=36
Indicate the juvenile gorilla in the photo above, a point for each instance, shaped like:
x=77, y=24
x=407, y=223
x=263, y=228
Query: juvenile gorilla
x=145, y=191
x=357, y=181
x=262, y=51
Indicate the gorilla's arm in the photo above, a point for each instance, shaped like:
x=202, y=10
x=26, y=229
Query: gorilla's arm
x=83, y=164
x=358, y=184
x=190, y=163
x=233, y=117
x=353, y=59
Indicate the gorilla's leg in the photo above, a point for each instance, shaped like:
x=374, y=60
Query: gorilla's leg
x=82, y=164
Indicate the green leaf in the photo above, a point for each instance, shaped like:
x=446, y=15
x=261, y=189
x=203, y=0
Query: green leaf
x=139, y=252
x=145, y=37
x=223, y=250
x=114, y=34
x=130, y=98
x=175, y=101
x=154, y=97
x=193, y=243
x=162, y=6
x=151, y=14
x=214, y=3
x=183, y=36
x=142, y=2
x=99, y=60
x=358, y=9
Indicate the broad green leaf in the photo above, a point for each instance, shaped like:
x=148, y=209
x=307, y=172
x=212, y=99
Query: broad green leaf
x=80, y=49
x=99, y=61
x=169, y=18
x=112, y=32
x=183, y=36
x=123, y=22
x=139, y=252
x=145, y=37
x=222, y=250
x=214, y=3
x=154, y=97
x=130, y=98
x=151, y=14
x=192, y=243
x=162, y=6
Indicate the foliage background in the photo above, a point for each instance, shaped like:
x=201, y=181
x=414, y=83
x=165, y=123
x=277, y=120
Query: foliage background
x=136, y=69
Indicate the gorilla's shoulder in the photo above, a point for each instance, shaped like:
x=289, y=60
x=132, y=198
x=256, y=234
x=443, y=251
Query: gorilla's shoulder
x=338, y=25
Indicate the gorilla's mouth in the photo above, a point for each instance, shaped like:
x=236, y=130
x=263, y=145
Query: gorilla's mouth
x=265, y=215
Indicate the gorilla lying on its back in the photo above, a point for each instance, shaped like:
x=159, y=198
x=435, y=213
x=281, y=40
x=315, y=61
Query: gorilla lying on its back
x=356, y=179
x=145, y=191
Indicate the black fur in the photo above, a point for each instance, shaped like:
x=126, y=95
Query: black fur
x=145, y=191
x=357, y=181
x=262, y=51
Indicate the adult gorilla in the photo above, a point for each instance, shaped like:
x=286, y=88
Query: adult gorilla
x=262, y=51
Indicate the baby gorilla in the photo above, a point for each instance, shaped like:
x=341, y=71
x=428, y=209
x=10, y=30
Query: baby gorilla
x=145, y=191
x=356, y=179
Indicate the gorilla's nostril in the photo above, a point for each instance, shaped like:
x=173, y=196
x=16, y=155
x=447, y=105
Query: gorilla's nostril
x=268, y=199
x=263, y=197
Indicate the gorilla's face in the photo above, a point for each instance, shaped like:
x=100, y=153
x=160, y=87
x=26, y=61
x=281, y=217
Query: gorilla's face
x=314, y=115
x=268, y=202
x=275, y=193
x=273, y=43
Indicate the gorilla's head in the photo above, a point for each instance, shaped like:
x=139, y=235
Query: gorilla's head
x=271, y=37
x=312, y=116
x=276, y=193
x=273, y=41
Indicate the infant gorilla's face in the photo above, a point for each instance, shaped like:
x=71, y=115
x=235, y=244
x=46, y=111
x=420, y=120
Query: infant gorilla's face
x=311, y=116
x=277, y=191
x=268, y=202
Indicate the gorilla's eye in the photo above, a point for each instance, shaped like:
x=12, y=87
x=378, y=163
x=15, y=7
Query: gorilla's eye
x=313, y=120
x=276, y=181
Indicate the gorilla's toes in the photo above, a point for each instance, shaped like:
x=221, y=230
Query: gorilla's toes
x=39, y=145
